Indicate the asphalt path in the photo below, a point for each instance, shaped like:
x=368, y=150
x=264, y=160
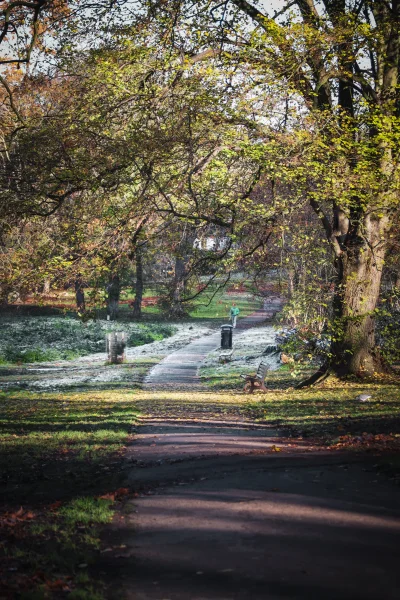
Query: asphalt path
x=226, y=509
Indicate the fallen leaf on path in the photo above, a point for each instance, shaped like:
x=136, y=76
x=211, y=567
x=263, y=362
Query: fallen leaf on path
x=120, y=492
x=124, y=554
x=110, y=496
x=227, y=571
x=10, y=519
x=58, y=584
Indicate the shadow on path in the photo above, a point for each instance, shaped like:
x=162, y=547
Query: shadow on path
x=227, y=509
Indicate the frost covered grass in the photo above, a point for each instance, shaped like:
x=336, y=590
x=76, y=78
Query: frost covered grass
x=248, y=349
x=331, y=412
x=44, y=339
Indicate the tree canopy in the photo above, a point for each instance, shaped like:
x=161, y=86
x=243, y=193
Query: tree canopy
x=227, y=115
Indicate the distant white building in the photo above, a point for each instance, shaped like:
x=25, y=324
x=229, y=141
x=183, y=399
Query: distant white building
x=210, y=242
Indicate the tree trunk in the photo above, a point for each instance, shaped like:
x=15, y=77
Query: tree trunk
x=181, y=275
x=114, y=292
x=176, y=309
x=137, y=303
x=291, y=275
x=80, y=296
x=357, y=293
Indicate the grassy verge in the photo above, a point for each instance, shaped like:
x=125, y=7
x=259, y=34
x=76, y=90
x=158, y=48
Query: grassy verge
x=209, y=307
x=331, y=412
x=62, y=473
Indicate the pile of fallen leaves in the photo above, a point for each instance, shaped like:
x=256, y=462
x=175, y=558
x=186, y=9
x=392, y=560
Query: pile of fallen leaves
x=368, y=441
x=11, y=519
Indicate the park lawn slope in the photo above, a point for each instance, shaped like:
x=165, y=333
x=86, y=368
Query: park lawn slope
x=218, y=306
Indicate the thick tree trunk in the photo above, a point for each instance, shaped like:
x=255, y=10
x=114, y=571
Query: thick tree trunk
x=357, y=293
x=137, y=303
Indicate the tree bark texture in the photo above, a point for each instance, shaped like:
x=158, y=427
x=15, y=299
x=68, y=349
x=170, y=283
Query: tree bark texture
x=359, y=269
x=181, y=274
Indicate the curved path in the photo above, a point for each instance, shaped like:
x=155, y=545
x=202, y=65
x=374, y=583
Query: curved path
x=219, y=514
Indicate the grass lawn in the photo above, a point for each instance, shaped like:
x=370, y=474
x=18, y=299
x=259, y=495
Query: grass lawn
x=203, y=307
x=220, y=305
x=61, y=457
x=330, y=412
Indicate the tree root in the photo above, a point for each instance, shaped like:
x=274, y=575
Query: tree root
x=318, y=377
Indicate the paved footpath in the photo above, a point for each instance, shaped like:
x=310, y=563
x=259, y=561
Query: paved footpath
x=219, y=515
x=180, y=369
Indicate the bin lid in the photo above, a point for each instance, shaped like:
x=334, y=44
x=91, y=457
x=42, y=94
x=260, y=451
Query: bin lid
x=226, y=326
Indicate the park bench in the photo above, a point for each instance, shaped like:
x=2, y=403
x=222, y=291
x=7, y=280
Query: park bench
x=257, y=380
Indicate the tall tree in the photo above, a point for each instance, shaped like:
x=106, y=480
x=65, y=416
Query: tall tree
x=339, y=60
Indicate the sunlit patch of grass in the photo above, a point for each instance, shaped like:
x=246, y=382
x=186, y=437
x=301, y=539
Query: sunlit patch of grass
x=192, y=404
x=57, y=429
x=219, y=306
x=331, y=409
x=326, y=412
x=87, y=510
